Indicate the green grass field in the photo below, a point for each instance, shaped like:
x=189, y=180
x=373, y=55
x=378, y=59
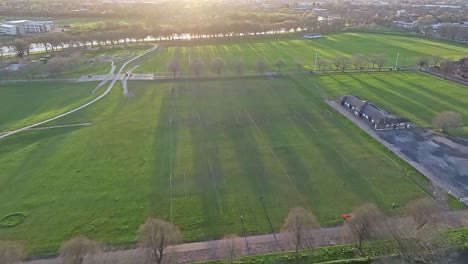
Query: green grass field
x=230, y=142
x=291, y=48
x=26, y=103
x=201, y=152
x=415, y=95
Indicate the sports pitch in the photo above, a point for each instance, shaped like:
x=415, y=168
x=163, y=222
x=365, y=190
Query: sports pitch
x=290, y=49
x=203, y=152
x=200, y=153
x=418, y=96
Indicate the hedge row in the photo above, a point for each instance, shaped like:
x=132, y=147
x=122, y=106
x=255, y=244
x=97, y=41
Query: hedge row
x=342, y=254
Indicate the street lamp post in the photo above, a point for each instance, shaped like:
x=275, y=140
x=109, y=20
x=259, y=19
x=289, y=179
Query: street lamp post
x=268, y=218
x=245, y=235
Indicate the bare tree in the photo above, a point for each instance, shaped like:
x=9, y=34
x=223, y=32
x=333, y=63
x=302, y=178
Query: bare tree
x=174, y=66
x=280, y=63
x=76, y=250
x=322, y=64
x=422, y=61
x=446, y=120
x=299, y=63
x=231, y=247
x=218, y=65
x=420, y=246
x=447, y=67
x=422, y=211
x=436, y=58
x=197, y=66
x=20, y=47
x=337, y=62
x=379, y=60
x=359, y=61
x=298, y=223
x=363, y=224
x=155, y=235
x=344, y=62
x=261, y=65
x=10, y=252
x=239, y=66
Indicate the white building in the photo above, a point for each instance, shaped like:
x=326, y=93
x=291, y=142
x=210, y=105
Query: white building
x=22, y=27
x=8, y=30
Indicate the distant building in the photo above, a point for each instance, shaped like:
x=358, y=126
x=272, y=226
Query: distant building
x=9, y=30
x=22, y=27
x=378, y=118
x=312, y=36
x=320, y=11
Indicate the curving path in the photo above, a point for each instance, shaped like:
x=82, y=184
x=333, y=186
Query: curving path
x=109, y=88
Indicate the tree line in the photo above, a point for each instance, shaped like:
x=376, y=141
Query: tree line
x=339, y=63
x=415, y=236
x=112, y=33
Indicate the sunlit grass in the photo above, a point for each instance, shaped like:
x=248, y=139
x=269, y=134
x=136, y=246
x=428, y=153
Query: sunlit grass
x=415, y=95
x=292, y=48
x=230, y=142
x=26, y=103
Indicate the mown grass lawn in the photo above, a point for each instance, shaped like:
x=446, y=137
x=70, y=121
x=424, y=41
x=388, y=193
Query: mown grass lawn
x=291, y=48
x=25, y=103
x=220, y=144
x=418, y=96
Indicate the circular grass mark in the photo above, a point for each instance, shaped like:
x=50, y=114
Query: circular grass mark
x=12, y=220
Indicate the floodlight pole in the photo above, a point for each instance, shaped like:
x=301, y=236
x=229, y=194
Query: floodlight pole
x=396, y=63
x=268, y=218
x=245, y=235
x=315, y=63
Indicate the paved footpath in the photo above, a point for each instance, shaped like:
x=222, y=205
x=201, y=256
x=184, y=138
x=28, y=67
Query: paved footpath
x=109, y=88
x=260, y=244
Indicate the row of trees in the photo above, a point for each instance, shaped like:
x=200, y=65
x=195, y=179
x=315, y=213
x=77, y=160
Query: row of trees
x=445, y=66
x=416, y=237
x=123, y=32
x=218, y=65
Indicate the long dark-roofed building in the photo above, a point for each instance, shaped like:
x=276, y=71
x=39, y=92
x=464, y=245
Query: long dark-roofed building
x=378, y=118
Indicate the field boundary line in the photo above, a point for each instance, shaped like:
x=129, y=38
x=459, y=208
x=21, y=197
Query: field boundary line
x=60, y=126
x=252, y=120
x=337, y=152
x=170, y=152
x=279, y=161
x=211, y=167
x=290, y=179
x=384, y=157
x=216, y=187
x=109, y=88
